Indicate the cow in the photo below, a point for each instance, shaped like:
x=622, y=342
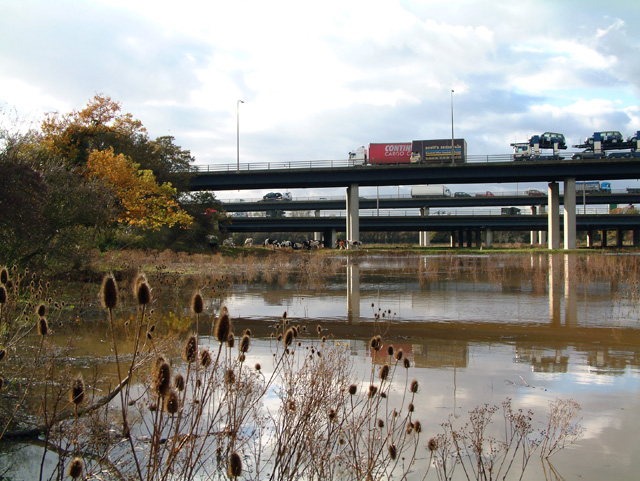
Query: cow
x=340, y=244
x=357, y=244
x=273, y=243
x=248, y=242
x=297, y=246
x=285, y=244
x=228, y=242
x=314, y=244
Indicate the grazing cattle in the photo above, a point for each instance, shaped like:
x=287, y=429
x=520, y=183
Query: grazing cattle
x=340, y=244
x=285, y=244
x=297, y=246
x=314, y=244
x=228, y=242
x=248, y=242
x=356, y=244
x=273, y=243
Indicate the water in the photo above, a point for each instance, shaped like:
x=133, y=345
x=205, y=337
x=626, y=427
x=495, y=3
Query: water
x=532, y=328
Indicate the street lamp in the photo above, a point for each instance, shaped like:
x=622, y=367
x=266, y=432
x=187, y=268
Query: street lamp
x=453, y=159
x=238, y=129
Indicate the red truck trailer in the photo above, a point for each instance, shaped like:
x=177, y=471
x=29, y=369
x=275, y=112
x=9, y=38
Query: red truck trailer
x=382, y=153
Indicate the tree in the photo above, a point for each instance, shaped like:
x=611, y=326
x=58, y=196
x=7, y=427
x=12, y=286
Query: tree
x=142, y=202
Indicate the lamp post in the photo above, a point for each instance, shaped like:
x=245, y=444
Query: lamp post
x=238, y=129
x=453, y=158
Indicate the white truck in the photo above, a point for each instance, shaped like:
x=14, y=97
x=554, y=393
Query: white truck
x=433, y=190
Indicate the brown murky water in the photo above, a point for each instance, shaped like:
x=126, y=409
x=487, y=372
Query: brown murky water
x=479, y=329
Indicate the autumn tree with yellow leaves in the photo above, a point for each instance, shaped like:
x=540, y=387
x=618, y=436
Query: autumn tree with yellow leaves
x=142, y=201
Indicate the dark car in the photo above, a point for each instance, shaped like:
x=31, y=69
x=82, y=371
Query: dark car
x=548, y=138
x=608, y=138
x=272, y=196
x=461, y=194
x=533, y=192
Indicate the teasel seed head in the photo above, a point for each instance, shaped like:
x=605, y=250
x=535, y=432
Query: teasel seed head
x=390, y=350
x=372, y=390
x=433, y=444
x=222, y=327
x=241, y=358
x=109, y=292
x=143, y=293
x=398, y=354
x=380, y=423
x=190, y=349
x=414, y=386
x=205, y=358
x=258, y=367
x=247, y=332
x=353, y=389
x=229, y=376
x=235, y=465
x=332, y=414
x=411, y=407
x=43, y=326
x=288, y=337
x=197, y=303
x=3, y=295
x=409, y=427
x=407, y=364
x=318, y=328
x=4, y=275
x=231, y=340
x=77, y=390
x=393, y=452
x=76, y=468
x=284, y=315
x=384, y=372
x=244, y=343
x=41, y=310
x=417, y=426
x=291, y=405
x=178, y=382
x=161, y=377
x=172, y=402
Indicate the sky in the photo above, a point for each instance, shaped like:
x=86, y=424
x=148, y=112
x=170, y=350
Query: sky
x=319, y=79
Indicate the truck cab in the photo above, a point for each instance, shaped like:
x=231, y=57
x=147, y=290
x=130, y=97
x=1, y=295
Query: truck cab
x=358, y=156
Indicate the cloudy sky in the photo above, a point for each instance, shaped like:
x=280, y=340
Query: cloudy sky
x=321, y=78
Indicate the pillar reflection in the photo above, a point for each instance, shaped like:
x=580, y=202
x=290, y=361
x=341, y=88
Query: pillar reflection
x=353, y=292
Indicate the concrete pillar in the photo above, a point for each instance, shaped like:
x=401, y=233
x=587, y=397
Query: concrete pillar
x=570, y=214
x=329, y=238
x=460, y=238
x=619, y=237
x=478, y=239
x=425, y=236
x=589, y=238
x=636, y=237
x=604, y=238
x=353, y=219
x=488, y=235
x=553, y=217
x=452, y=238
x=542, y=235
x=469, y=238
x=534, y=234
x=317, y=236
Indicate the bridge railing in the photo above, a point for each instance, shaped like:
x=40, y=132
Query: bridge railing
x=331, y=164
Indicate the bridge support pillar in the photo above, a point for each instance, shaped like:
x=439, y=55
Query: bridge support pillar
x=589, y=239
x=478, y=239
x=469, y=238
x=353, y=215
x=488, y=236
x=553, y=217
x=317, y=236
x=452, y=239
x=636, y=237
x=425, y=236
x=534, y=234
x=570, y=214
x=460, y=238
x=329, y=238
x=619, y=237
x=603, y=243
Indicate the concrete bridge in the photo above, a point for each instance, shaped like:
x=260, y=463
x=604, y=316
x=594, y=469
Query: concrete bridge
x=487, y=171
